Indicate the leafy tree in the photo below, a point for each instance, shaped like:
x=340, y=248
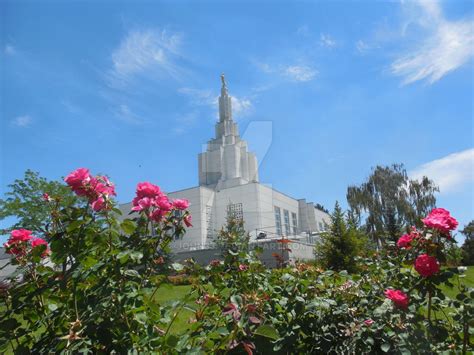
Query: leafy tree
x=390, y=202
x=26, y=203
x=341, y=244
x=468, y=246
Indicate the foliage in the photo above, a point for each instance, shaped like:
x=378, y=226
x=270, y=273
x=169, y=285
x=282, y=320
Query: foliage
x=232, y=238
x=341, y=245
x=102, y=290
x=391, y=202
x=97, y=292
x=321, y=207
x=25, y=201
x=468, y=246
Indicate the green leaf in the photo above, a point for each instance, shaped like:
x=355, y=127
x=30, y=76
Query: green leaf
x=128, y=226
x=385, y=347
x=177, y=266
x=131, y=272
x=74, y=225
x=267, y=331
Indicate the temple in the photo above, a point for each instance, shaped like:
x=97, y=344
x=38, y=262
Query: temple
x=229, y=184
x=227, y=161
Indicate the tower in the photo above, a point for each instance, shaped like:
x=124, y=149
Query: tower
x=226, y=161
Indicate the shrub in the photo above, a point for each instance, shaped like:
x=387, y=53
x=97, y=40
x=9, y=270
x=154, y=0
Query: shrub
x=96, y=294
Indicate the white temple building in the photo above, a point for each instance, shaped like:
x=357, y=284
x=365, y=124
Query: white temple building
x=229, y=183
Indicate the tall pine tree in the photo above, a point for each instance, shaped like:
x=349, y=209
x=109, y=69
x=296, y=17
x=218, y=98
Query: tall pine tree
x=341, y=244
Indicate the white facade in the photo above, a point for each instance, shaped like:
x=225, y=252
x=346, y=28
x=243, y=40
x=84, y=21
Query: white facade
x=228, y=182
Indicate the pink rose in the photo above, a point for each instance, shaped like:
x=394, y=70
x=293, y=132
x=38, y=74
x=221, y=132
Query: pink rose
x=404, y=241
x=78, y=180
x=426, y=265
x=20, y=235
x=181, y=204
x=243, y=267
x=440, y=219
x=146, y=189
x=368, y=322
x=16, y=244
x=102, y=186
x=99, y=204
x=188, y=220
x=157, y=215
x=163, y=203
x=142, y=203
x=37, y=242
x=399, y=298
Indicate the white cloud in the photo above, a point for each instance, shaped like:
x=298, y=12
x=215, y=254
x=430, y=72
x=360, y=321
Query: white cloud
x=124, y=113
x=447, y=46
x=362, y=46
x=144, y=51
x=300, y=73
x=22, y=121
x=326, y=41
x=450, y=173
x=241, y=107
x=296, y=72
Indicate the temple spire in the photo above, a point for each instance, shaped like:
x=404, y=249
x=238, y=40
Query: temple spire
x=224, y=85
x=225, y=102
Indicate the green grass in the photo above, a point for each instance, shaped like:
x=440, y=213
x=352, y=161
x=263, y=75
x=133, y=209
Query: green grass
x=467, y=279
x=168, y=294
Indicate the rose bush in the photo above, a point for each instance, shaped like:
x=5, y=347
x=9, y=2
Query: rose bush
x=91, y=287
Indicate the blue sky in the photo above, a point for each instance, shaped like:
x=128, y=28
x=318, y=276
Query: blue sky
x=323, y=91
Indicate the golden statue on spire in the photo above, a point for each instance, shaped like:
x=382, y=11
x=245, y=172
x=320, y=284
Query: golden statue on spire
x=223, y=80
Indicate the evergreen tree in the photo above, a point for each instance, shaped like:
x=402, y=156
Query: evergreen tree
x=341, y=244
x=232, y=241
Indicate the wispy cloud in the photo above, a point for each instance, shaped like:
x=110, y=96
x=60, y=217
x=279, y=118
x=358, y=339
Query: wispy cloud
x=326, y=40
x=145, y=52
x=296, y=73
x=300, y=72
x=22, y=121
x=362, y=46
x=125, y=114
x=241, y=106
x=450, y=173
x=446, y=47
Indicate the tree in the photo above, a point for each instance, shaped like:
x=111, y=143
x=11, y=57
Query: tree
x=341, y=244
x=468, y=246
x=26, y=203
x=232, y=240
x=391, y=202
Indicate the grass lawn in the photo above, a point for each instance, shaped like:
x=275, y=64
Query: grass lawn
x=168, y=294
x=467, y=279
